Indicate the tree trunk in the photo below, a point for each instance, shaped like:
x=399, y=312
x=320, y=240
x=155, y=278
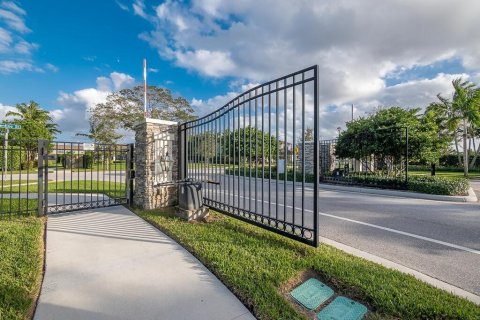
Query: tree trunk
x=433, y=167
x=465, y=150
x=456, y=148
x=472, y=164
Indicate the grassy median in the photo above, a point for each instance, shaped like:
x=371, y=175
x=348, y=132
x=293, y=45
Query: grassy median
x=21, y=263
x=258, y=265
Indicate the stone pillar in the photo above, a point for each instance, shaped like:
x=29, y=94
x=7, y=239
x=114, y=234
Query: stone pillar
x=147, y=195
x=327, y=157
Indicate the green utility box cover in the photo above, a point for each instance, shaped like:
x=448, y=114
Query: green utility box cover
x=342, y=309
x=311, y=293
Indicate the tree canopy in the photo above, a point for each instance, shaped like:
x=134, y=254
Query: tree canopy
x=35, y=123
x=383, y=134
x=459, y=117
x=123, y=109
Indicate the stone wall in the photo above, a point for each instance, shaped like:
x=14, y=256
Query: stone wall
x=147, y=195
x=327, y=157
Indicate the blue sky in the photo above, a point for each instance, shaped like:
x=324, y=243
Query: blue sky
x=86, y=40
x=68, y=55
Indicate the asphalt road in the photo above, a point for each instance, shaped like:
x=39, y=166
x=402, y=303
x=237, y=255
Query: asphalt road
x=440, y=239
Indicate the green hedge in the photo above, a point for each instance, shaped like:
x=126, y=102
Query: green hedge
x=424, y=184
x=440, y=168
x=15, y=158
x=439, y=185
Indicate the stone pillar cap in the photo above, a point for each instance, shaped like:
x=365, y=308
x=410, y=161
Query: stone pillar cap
x=156, y=121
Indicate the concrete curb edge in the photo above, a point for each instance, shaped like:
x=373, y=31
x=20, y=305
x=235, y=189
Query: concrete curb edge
x=395, y=266
x=472, y=197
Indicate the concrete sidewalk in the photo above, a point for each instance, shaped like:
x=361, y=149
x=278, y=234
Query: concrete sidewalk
x=110, y=264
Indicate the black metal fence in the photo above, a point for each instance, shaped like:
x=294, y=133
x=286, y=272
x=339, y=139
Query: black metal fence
x=19, y=178
x=251, y=157
x=377, y=158
x=40, y=177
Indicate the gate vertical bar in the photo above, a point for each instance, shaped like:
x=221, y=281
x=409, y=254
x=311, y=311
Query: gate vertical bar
x=316, y=158
x=222, y=131
x=130, y=174
x=406, y=157
x=182, y=152
x=42, y=180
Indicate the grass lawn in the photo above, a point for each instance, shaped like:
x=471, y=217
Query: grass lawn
x=97, y=166
x=446, y=174
x=260, y=267
x=8, y=182
x=17, y=207
x=21, y=262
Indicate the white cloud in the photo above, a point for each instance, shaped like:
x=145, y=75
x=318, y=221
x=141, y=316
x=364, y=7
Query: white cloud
x=122, y=6
x=139, y=8
x=25, y=48
x=5, y=40
x=203, y=107
x=52, y=67
x=10, y=66
x=355, y=44
x=10, y=5
x=73, y=115
x=90, y=58
x=14, y=21
x=104, y=84
x=410, y=94
x=4, y=109
x=210, y=63
x=121, y=80
x=16, y=50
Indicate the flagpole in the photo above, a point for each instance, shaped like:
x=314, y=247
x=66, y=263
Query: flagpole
x=145, y=88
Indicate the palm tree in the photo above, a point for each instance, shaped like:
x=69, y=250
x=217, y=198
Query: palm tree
x=35, y=123
x=466, y=105
x=447, y=120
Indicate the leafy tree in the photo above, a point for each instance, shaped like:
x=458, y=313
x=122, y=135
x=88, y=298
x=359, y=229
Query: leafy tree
x=35, y=123
x=244, y=141
x=382, y=134
x=461, y=116
x=203, y=148
x=123, y=109
x=466, y=104
x=434, y=137
x=447, y=120
x=101, y=131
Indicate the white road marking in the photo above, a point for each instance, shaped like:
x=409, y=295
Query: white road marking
x=447, y=244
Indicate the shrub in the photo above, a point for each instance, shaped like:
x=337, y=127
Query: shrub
x=15, y=158
x=439, y=185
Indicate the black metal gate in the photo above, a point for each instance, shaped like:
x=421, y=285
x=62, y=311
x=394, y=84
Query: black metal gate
x=75, y=176
x=67, y=176
x=253, y=157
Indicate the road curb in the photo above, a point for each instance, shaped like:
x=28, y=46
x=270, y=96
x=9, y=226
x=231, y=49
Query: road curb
x=395, y=266
x=472, y=197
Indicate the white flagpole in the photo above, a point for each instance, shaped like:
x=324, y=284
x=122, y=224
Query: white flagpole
x=145, y=88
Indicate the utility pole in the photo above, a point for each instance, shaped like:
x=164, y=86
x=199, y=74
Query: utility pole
x=352, y=111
